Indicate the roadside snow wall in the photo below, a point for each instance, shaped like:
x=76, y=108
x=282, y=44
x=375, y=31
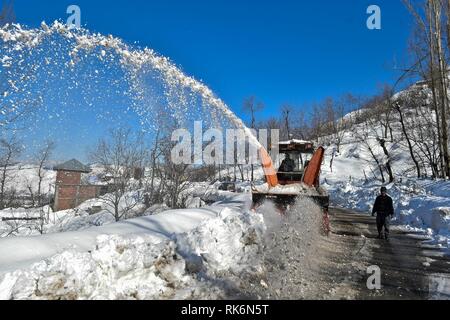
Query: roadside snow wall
x=144, y=266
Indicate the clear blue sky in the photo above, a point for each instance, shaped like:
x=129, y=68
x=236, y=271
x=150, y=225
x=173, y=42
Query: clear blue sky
x=280, y=51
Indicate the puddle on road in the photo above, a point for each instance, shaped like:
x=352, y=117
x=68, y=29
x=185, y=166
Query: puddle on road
x=419, y=236
x=438, y=283
x=434, y=254
x=439, y=287
x=428, y=246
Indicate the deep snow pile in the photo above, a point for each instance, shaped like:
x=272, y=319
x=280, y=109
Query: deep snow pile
x=146, y=264
x=229, y=243
x=118, y=268
x=290, y=250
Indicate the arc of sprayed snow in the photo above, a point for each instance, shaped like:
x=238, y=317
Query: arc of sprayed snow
x=133, y=58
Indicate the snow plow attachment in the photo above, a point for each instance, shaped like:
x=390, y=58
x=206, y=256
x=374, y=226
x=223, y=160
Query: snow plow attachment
x=269, y=170
x=297, y=178
x=283, y=201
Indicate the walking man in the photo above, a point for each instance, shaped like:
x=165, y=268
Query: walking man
x=384, y=209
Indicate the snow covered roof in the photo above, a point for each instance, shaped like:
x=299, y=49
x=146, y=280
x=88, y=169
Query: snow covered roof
x=72, y=165
x=295, y=141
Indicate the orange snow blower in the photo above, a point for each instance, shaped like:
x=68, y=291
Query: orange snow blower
x=297, y=177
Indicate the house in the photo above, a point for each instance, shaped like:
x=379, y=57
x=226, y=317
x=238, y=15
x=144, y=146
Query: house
x=70, y=192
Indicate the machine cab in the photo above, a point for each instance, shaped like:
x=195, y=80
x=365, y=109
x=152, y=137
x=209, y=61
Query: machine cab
x=294, y=158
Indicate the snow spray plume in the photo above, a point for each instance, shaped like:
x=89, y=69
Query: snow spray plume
x=292, y=243
x=29, y=58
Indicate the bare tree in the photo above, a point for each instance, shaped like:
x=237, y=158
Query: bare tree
x=398, y=107
x=286, y=128
x=388, y=162
x=317, y=122
x=251, y=106
x=364, y=138
x=174, y=177
x=435, y=8
x=430, y=21
x=301, y=128
x=421, y=126
x=10, y=149
x=380, y=116
x=155, y=154
x=42, y=156
x=119, y=156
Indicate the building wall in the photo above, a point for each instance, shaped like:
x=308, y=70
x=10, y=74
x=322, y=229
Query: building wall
x=69, y=191
x=68, y=178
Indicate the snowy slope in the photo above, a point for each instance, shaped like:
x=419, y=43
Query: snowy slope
x=420, y=204
x=25, y=176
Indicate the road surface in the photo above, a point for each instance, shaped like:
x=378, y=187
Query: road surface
x=335, y=267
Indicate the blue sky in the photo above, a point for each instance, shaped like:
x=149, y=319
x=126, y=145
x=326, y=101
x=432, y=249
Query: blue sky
x=280, y=51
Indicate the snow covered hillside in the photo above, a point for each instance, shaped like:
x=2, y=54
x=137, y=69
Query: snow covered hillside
x=25, y=178
x=353, y=179
x=420, y=204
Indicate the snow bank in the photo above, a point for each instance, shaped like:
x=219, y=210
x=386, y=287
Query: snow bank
x=118, y=268
x=229, y=243
x=19, y=252
x=174, y=255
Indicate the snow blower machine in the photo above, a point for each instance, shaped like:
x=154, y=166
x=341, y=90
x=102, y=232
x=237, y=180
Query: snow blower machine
x=298, y=177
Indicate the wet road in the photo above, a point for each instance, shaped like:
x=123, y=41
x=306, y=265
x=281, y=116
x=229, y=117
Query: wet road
x=301, y=264
x=409, y=269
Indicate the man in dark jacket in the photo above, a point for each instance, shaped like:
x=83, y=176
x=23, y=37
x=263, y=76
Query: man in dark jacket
x=384, y=208
x=288, y=165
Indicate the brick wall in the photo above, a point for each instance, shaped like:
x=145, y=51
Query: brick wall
x=88, y=192
x=68, y=178
x=64, y=204
x=69, y=191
